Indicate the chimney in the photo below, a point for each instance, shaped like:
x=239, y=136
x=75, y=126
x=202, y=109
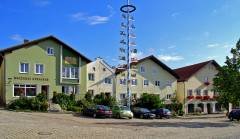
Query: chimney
x=25, y=41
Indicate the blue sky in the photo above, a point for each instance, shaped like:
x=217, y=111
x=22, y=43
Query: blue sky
x=177, y=32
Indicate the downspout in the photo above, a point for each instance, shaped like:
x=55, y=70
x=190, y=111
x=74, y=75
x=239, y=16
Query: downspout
x=184, y=99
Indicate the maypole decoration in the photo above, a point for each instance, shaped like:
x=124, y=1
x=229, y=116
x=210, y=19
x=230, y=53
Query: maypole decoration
x=128, y=54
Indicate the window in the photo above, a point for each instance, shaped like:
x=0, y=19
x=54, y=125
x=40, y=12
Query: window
x=91, y=92
x=91, y=77
x=50, y=51
x=123, y=81
x=157, y=83
x=198, y=92
x=122, y=96
x=145, y=82
x=94, y=69
x=108, y=81
x=70, y=72
x=142, y=69
x=205, y=92
x=39, y=69
x=70, y=89
x=24, y=68
x=24, y=90
x=168, y=96
x=189, y=92
x=134, y=81
x=104, y=69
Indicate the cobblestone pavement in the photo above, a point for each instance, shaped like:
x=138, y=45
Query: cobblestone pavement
x=62, y=126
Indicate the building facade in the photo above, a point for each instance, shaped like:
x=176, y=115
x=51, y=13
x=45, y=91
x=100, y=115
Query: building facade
x=101, y=78
x=195, y=87
x=148, y=75
x=45, y=65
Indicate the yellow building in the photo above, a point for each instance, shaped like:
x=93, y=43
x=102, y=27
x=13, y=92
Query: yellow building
x=100, y=78
x=195, y=87
x=148, y=75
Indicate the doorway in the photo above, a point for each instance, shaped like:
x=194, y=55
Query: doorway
x=45, y=90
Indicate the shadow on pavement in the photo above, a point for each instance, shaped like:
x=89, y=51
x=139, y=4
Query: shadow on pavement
x=169, y=124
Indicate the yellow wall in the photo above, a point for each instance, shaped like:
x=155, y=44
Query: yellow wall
x=197, y=82
x=160, y=74
x=98, y=84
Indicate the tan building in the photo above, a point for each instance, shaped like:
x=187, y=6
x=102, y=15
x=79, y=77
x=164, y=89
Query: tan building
x=148, y=75
x=195, y=87
x=100, y=78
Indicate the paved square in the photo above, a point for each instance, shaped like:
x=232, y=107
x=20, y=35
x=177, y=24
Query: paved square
x=52, y=125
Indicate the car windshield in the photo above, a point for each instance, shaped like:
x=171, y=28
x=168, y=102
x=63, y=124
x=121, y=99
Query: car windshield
x=144, y=110
x=166, y=110
x=124, y=108
x=106, y=108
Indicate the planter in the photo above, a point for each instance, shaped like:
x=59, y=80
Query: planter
x=190, y=97
x=198, y=97
x=206, y=97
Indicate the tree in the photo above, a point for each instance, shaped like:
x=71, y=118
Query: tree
x=149, y=101
x=227, y=81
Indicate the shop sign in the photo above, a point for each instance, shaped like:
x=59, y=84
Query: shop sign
x=30, y=78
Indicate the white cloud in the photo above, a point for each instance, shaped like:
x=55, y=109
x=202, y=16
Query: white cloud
x=212, y=57
x=17, y=37
x=217, y=45
x=175, y=14
x=172, y=46
x=168, y=58
x=93, y=19
x=42, y=3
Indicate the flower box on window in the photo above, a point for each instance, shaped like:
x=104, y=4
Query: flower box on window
x=198, y=97
x=206, y=97
x=207, y=83
x=190, y=97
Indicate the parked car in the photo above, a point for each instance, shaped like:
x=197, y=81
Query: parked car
x=122, y=112
x=162, y=113
x=234, y=114
x=143, y=113
x=98, y=111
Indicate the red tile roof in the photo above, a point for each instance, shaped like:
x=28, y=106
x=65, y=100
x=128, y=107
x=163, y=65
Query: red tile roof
x=186, y=72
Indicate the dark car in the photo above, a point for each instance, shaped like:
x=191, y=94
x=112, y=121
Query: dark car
x=143, y=113
x=234, y=114
x=162, y=113
x=98, y=111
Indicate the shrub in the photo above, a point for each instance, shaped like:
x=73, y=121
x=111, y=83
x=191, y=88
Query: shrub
x=65, y=101
x=149, y=101
x=38, y=103
x=75, y=108
x=88, y=97
x=101, y=99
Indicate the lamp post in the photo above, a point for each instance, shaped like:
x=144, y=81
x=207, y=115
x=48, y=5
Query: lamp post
x=127, y=53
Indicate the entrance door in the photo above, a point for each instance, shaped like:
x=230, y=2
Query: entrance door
x=45, y=90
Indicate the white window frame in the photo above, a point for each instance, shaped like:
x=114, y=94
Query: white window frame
x=142, y=69
x=39, y=68
x=92, y=75
x=189, y=91
x=157, y=83
x=71, y=70
x=168, y=96
x=134, y=80
x=145, y=84
x=121, y=96
x=198, y=91
x=24, y=67
x=25, y=88
x=205, y=92
x=51, y=51
x=107, y=81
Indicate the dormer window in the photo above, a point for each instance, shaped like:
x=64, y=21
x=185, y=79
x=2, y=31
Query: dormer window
x=50, y=51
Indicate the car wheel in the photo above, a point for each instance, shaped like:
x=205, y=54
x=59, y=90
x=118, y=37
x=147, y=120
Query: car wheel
x=141, y=116
x=94, y=115
x=130, y=117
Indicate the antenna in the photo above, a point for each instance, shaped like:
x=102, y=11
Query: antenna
x=127, y=52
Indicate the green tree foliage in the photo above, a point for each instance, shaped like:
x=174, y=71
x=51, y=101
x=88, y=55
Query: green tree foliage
x=227, y=81
x=101, y=99
x=149, y=101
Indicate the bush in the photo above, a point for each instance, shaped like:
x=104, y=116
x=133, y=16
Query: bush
x=38, y=103
x=149, y=101
x=75, y=108
x=65, y=101
x=101, y=99
x=88, y=97
x=84, y=103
